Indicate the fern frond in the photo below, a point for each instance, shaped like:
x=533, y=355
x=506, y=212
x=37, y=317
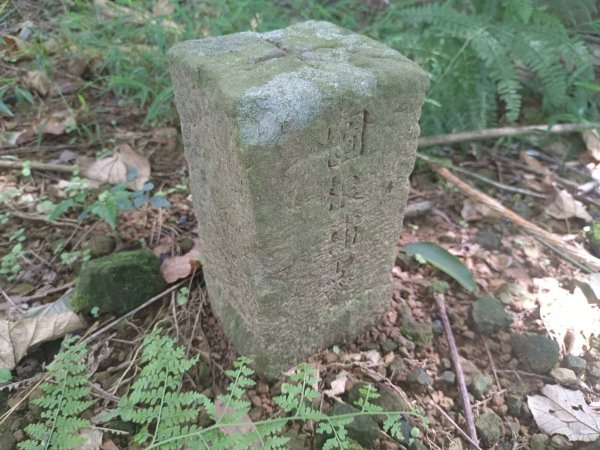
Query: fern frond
x=474, y=57
x=155, y=399
x=63, y=400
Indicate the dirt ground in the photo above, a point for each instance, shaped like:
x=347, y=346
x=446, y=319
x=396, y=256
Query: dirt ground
x=549, y=180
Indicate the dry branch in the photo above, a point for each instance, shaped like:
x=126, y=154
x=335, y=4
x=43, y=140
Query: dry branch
x=35, y=165
x=574, y=252
x=495, y=133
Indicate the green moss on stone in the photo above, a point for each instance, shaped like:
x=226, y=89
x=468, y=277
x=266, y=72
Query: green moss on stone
x=118, y=283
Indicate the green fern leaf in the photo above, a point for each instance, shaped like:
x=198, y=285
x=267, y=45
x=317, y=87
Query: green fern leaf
x=63, y=400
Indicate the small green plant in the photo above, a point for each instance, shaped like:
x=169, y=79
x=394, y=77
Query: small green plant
x=69, y=258
x=5, y=375
x=166, y=416
x=108, y=202
x=182, y=295
x=10, y=265
x=11, y=86
x=63, y=401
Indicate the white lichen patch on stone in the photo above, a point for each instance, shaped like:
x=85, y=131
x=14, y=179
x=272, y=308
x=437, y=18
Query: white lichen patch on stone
x=269, y=113
x=287, y=103
x=322, y=30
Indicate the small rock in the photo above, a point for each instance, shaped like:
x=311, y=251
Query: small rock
x=480, y=385
x=536, y=353
x=469, y=334
x=593, y=369
x=514, y=404
x=560, y=442
x=489, y=428
x=488, y=239
x=513, y=428
x=449, y=377
x=118, y=283
x=369, y=346
x=489, y=315
x=388, y=346
x=437, y=327
x=575, y=363
x=397, y=367
x=363, y=429
x=565, y=377
x=255, y=414
x=185, y=245
x=297, y=440
x=100, y=245
x=204, y=372
x=538, y=441
x=417, y=445
x=19, y=435
x=418, y=331
x=7, y=440
x=439, y=286
x=419, y=377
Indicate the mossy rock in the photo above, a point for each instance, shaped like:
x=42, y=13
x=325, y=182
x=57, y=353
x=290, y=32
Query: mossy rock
x=118, y=283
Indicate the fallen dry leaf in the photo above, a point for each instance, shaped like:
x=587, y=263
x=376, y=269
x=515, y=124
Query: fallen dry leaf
x=592, y=143
x=532, y=162
x=42, y=324
x=472, y=211
x=178, y=267
x=59, y=123
x=126, y=165
x=567, y=314
x=92, y=439
x=565, y=206
x=11, y=46
x=564, y=411
x=65, y=86
x=38, y=80
x=109, y=445
x=499, y=262
x=338, y=386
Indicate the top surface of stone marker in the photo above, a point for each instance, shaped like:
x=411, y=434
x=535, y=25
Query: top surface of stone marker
x=279, y=80
x=300, y=142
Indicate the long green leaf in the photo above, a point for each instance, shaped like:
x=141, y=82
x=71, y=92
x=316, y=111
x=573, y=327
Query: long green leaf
x=444, y=261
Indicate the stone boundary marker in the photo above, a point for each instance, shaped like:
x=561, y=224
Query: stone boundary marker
x=299, y=143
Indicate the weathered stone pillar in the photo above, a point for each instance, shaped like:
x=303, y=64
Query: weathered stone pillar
x=299, y=143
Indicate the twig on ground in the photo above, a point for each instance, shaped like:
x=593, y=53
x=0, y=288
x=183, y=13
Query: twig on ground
x=489, y=354
x=36, y=165
x=489, y=181
x=36, y=218
x=16, y=406
x=564, y=256
x=455, y=425
x=495, y=133
x=578, y=254
x=41, y=295
x=460, y=377
x=10, y=300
